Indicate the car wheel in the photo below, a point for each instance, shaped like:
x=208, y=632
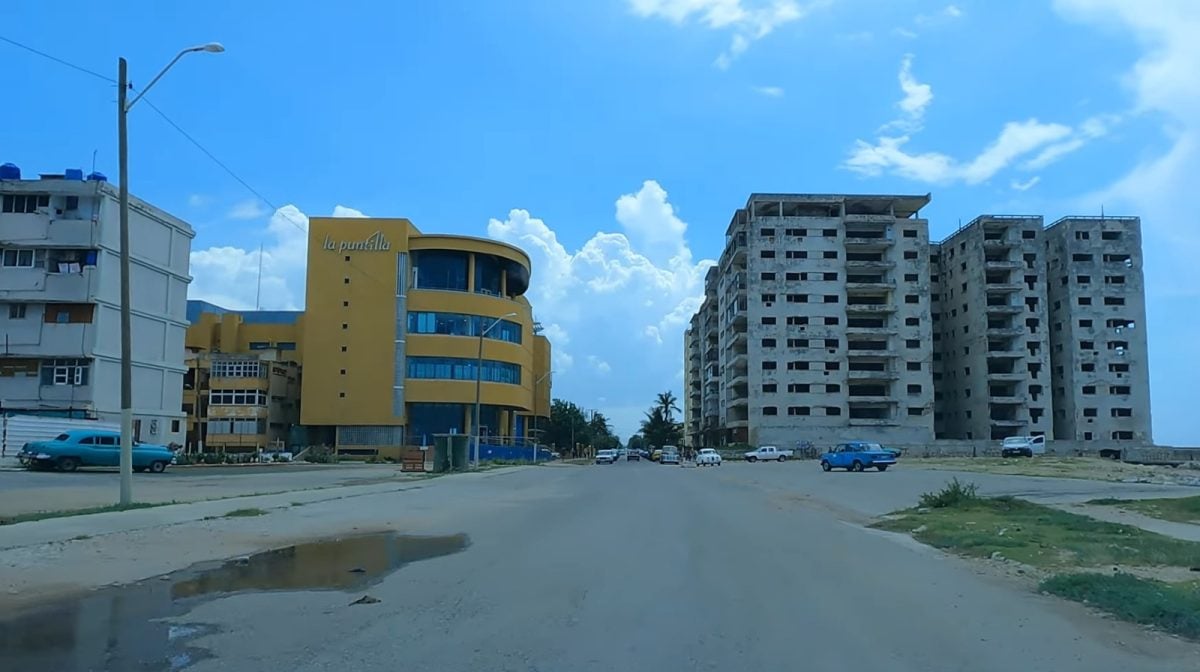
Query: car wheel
x=825, y=466
x=751, y=459
x=1028, y=453
x=67, y=464
x=157, y=467
x=857, y=466
x=783, y=458
x=881, y=467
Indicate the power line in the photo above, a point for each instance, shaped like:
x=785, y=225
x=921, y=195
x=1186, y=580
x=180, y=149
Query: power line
x=58, y=60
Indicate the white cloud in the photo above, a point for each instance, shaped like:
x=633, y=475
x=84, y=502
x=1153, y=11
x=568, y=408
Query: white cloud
x=248, y=209
x=1017, y=139
x=944, y=15
x=621, y=296
x=749, y=20
x=768, y=91
x=1026, y=185
x=601, y=366
x=904, y=32
x=198, y=200
x=343, y=211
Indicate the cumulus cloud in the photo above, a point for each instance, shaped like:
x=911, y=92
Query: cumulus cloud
x=624, y=295
x=248, y=209
x=1016, y=140
x=748, y=20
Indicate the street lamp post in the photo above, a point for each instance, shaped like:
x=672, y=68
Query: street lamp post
x=535, y=411
x=123, y=107
x=478, y=387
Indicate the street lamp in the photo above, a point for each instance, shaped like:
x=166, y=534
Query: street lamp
x=123, y=107
x=535, y=411
x=478, y=381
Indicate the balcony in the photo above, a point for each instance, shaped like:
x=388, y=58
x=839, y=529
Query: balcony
x=998, y=243
x=870, y=308
x=871, y=240
x=873, y=265
x=1006, y=265
x=871, y=219
x=40, y=230
x=853, y=374
x=1003, y=287
x=1001, y=305
x=1008, y=400
x=872, y=349
x=37, y=284
x=1005, y=353
x=882, y=285
x=1006, y=331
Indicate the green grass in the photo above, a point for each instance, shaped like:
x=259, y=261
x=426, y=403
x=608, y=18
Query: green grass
x=1173, y=607
x=1039, y=536
x=1179, y=510
x=245, y=513
x=46, y=515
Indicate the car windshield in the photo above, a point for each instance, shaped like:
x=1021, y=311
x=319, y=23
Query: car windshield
x=62, y=437
x=1014, y=441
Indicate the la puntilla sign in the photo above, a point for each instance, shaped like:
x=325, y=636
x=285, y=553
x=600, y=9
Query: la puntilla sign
x=373, y=243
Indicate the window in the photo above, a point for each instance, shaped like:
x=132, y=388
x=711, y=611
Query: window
x=65, y=372
x=797, y=365
x=14, y=258
x=458, y=324
x=1110, y=235
x=1087, y=345
x=238, y=368
x=829, y=233
x=1122, y=436
x=220, y=397
x=174, y=426
x=912, y=343
x=914, y=389
x=1087, y=436
x=833, y=388
x=767, y=276
x=1118, y=389
x=769, y=388
x=767, y=232
x=25, y=203
x=1082, y=235
x=831, y=321
x=767, y=254
x=768, y=366
x=1089, y=389
x=829, y=254
x=1118, y=368
x=910, y=233
x=1086, y=324
x=768, y=342
x=1121, y=412
x=796, y=254
x=345, y=281
x=1085, y=301
x=912, y=298
x=463, y=368
x=1114, y=300
x=797, y=320
x=16, y=311
x=913, y=366
x=797, y=342
x=913, y=411
x=1089, y=412
x=797, y=388
x=1080, y=258
x=1083, y=279
x=770, y=410
x=1114, y=279
x=830, y=277
x=799, y=410
x=831, y=298
x=909, y=254
x=833, y=410
x=1028, y=234
x=799, y=233
x=797, y=298
x=768, y=298
x=912, y=321
x=345, y=325
x=343, y=348
x=833, y=366
x=1087, y=367
x=910, y=277
x=768, y=320
x=793, y=277
x=286, y=345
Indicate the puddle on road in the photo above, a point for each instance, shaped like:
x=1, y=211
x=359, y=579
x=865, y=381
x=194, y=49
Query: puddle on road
x=120, y=628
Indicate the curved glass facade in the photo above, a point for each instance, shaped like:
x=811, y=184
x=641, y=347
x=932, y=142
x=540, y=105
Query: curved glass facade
x=458, y=324
x=487, y=274
x=462, y=368
x=440, y=269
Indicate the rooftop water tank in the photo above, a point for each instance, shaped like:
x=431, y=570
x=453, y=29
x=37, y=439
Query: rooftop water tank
x=73, y=174
x=97, y=177
x=10, y=171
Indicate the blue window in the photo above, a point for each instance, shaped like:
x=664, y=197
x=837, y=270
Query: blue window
x=487, y=274
x=285, y=345
x=462, y=368
x=260, y=345
x=440, y=269
x=457, y=324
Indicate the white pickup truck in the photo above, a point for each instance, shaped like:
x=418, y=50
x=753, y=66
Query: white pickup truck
x=766, y=453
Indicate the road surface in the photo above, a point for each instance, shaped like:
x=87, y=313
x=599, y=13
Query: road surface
x=633, y=566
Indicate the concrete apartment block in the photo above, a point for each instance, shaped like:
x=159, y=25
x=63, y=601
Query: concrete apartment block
x=823, y=335
x=60, y=326
x=692, y=382
x=994, y=341
x=940, y=405
x=1100, y=371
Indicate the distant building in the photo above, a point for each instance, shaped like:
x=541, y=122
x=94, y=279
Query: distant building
x=60, y=349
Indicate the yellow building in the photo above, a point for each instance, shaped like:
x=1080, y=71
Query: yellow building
x=390, y=339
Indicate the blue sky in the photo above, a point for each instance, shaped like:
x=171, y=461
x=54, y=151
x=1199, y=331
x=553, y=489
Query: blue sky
x=613, y=139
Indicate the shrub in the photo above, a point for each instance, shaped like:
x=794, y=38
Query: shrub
x=954, y=494
x=320, y=455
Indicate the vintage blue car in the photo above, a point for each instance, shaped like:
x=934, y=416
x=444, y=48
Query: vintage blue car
x=92, y=448
x=857, y=456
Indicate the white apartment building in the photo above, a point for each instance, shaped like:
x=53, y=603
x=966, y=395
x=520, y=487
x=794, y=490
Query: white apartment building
x=60, y=286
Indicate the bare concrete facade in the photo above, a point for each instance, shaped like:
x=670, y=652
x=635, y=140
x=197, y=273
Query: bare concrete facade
x=702, y=368
x=993, y=346
x=823, y=305
x=1101, y=381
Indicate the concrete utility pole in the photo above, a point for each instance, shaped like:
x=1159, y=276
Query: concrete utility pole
x=535, y=411
x=123, y=108
x=474, y=459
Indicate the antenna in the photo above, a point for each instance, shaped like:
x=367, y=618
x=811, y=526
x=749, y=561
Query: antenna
x=94, y=159
x=1101, y=211
x=258, y=294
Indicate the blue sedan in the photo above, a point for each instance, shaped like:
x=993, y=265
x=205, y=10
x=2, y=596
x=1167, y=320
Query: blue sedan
x=857, y=456
x=92, y=448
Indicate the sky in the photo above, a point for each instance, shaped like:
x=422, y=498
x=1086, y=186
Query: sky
x=614, y=139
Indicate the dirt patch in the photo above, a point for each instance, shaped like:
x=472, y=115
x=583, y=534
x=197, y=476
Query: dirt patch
x=1087, y=468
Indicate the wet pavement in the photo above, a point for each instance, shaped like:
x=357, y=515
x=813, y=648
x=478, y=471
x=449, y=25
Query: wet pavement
x=143, y=626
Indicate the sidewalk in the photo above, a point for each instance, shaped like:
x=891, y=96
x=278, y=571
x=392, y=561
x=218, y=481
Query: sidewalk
x=1112, y=514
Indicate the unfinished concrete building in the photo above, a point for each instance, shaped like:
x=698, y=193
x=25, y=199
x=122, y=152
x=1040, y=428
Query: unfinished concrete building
x=703, y=371
x=822, y=303
x=1100, y=371
x=993, y=346
x=692, y=382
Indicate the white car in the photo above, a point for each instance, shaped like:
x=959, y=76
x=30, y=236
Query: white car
x=606, y=456
x=1023, y=446
x=707, y=457
x=768, y=453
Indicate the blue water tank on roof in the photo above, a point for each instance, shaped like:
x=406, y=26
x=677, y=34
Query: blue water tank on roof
x=10, y=171
x=73, y=174
x=97, y=177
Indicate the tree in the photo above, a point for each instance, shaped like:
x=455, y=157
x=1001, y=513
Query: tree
x=636, y=442
x=667, y=403
x=570, y=425
x=659, y=430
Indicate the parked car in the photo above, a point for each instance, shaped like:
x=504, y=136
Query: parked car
x=1023, y=446
x=857, y=456
x=656, y=454
x=768, y=453
x=633, y=456
x=707, y=457
x=606, y=456
x=669, y=457
x=92, y=448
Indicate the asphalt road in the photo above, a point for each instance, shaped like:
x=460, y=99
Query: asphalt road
x=637, y=566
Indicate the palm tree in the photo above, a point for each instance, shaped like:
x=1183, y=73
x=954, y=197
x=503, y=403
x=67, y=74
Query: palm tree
x=666, y=402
